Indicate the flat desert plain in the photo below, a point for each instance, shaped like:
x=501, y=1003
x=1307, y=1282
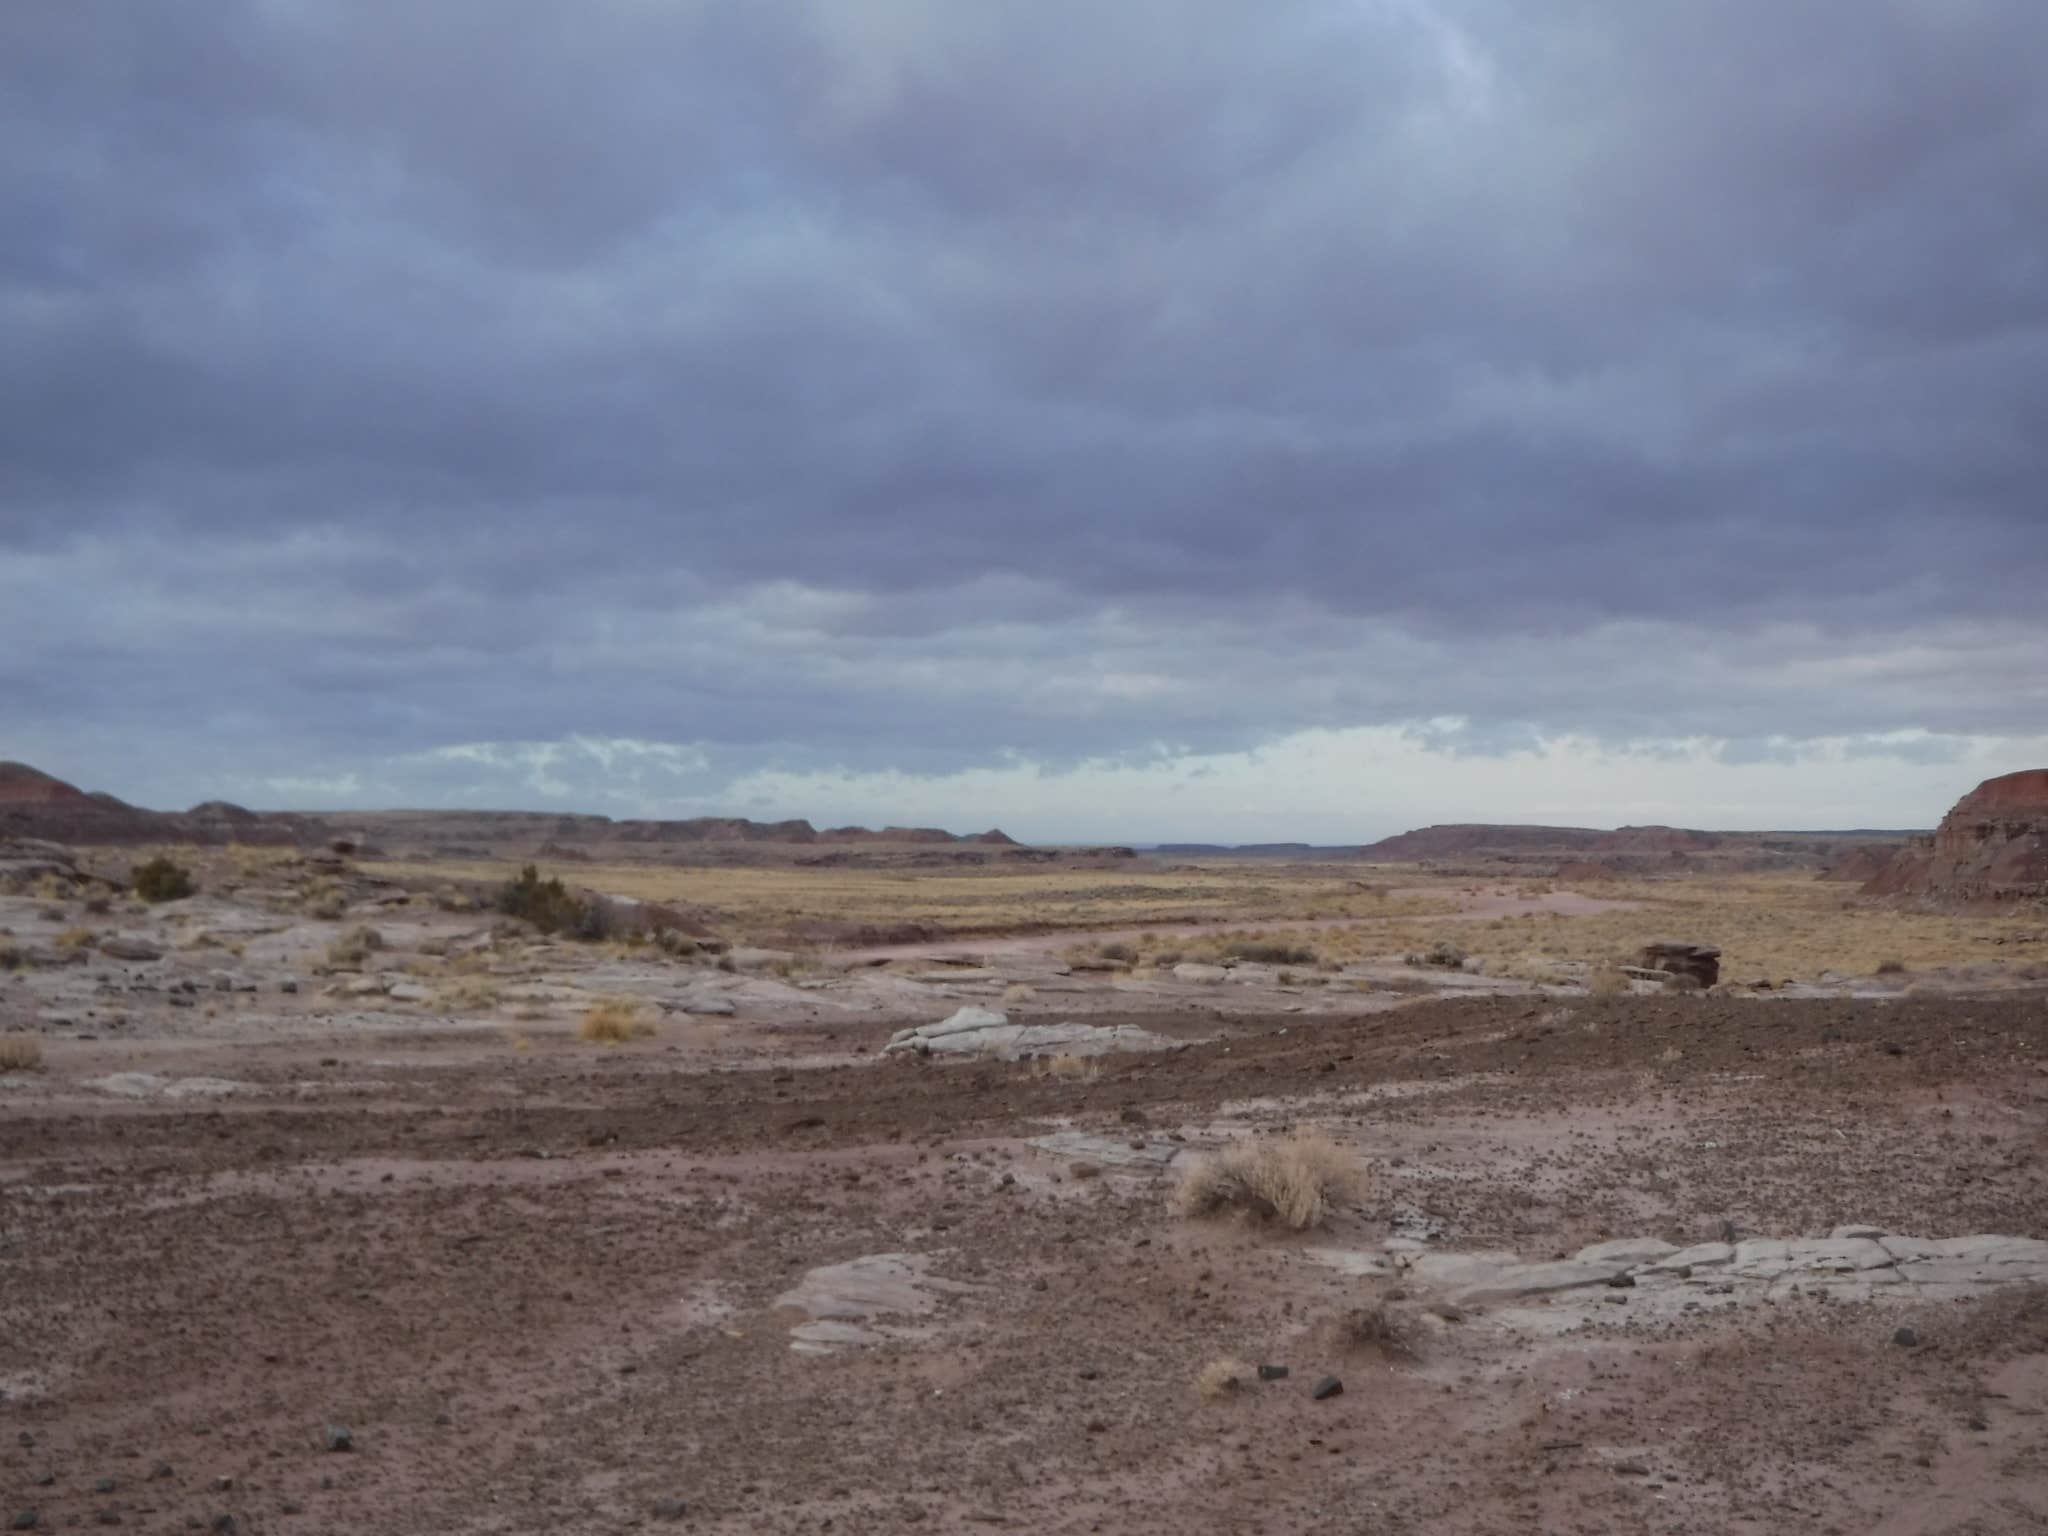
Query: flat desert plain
x=1236, y=1197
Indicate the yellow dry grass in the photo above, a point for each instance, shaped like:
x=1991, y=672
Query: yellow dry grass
x=1068, y=1068
x=1294, y=1179
x=762, y=902
x=1220, y=1378
x=467, y=994
x=614, y=1022
x=76, y=938
x=20, y=1053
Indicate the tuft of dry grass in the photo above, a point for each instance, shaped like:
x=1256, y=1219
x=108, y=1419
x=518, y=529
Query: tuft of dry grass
x=20, y=1053
x=467, y=994
x=1019, y=992
x=1068, y=1068
x=355, y=946
x=1608, y=981
x=1221, y=1378
x=613, y=1022
x=1293, y=1179
x=76, y=938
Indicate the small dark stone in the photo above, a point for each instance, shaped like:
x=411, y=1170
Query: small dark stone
x=1329, y=1386
x=104, y=1485
x=1088, y=1373
x=1633, y=1469
x=27, y=1520
x=161, y=1470
x=1905, y=1338
x=1978, y=1423
x=337, y=1438
x=107, y=1517
x=670, y=1509
x=47, y=1480
x=1097, y=1427
x=224, y=1525
x=1272, y=1373
x=1622, y=1282
x=25, y=1438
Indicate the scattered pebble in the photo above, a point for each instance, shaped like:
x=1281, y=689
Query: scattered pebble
x=1329, y=1386
x=337, y=1438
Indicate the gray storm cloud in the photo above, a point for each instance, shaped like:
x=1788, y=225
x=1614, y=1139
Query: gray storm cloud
x=902, y=385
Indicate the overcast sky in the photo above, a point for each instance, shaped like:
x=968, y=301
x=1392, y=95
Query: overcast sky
x=1167, y=419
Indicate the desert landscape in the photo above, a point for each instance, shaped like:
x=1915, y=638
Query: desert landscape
x=352, y=1180
x=1142, y=769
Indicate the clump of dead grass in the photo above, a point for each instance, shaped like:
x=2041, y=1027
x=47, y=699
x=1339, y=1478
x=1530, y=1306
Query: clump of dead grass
x=355, y=946
x=20, y=1053
x=467, y=994
x=1294, y=1179
x=1608, y=981
x=76, y=938
x=1222, y=1378
x=1067, y=1068
x=613, y=1022
x=1019, y=992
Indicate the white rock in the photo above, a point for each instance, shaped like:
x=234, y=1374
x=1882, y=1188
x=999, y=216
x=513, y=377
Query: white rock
x=408, y=992
x=1207, y=975
x=976, y=1031
x=1626, y=1250
x=1526, y=1280
x=1853, y=1230
x=1081, y=1146
x=845, y=1302
x=365, y=986
x=1698, y=1256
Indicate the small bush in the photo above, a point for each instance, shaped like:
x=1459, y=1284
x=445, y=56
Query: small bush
x=355, y=946
x=1608, y=981
x=12, y=957
x=1891, y=968
x=1266, y=952
x=548, y=905
x=1443, y=952
x=99, y=904
x=76, y=938
x=1019, y=992
x=1293, y=1179
x=1118, y=951
x=613, y=1022
x=1068, y=1068
x=669, y=942
x=20, y=1053
x=1221, y=1378
x=161, y=880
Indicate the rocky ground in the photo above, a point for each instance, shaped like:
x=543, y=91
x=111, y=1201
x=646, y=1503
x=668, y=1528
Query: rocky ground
x=379, y=1244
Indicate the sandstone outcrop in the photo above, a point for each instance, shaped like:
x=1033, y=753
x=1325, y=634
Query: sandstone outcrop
x=1993, y=847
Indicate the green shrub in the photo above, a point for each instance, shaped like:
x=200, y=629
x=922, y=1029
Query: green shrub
x=161, y=880
x=546, y=904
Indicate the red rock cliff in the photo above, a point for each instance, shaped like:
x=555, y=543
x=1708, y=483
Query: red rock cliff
x=1992, y=847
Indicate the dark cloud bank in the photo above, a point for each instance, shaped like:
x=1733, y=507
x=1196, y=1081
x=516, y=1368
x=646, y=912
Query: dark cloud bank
x=901, y=384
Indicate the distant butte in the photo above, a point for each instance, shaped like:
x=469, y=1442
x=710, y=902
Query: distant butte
x=1993, y=847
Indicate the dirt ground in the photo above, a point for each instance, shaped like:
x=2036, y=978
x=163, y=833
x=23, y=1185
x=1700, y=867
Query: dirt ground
x=750, y=1273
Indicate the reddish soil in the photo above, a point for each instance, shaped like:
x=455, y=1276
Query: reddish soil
x=540, y=1287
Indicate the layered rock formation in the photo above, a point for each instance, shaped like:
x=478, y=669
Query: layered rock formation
x=1993, y=847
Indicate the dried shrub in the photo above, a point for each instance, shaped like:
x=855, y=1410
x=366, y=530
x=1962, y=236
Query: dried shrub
x=76, y=938
x=355, y=946
x=1293, y=1179
x=20, y=1053
x=159, y=879
x=613, y=1022
x=1068, y=1068
x=1608, y=981
x=1892, y=967
x=1443, y=952
x=1221, y=1378
x=1269, y=952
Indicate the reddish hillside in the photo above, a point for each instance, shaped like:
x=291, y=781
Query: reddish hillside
x=1456, y=840
x=1992, y=847
x=23, y=785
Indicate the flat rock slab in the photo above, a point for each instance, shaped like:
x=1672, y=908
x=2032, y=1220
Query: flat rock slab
x=845, y=1304
x=957, y=973
x=1662, y=1280
x=1206, y=975
x=985, y=1032
x=1085, y=1147
x=147, y=1085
